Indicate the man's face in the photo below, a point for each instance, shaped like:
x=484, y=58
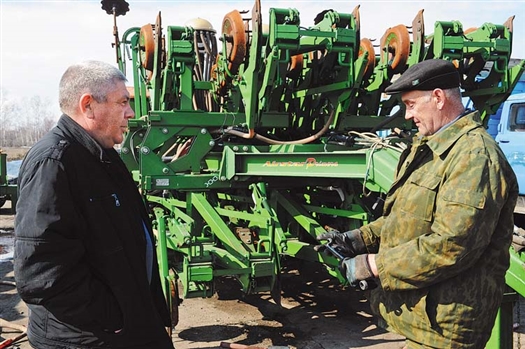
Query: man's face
x=422, y=109
x=111, y=117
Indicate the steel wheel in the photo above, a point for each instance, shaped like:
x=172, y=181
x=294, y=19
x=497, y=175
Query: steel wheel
x=147, y=46
x=367, y=46
x=395, y=47
x=233, y=30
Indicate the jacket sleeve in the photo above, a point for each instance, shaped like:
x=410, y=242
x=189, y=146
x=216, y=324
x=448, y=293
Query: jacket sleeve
x=371, y=234
x=50, y=263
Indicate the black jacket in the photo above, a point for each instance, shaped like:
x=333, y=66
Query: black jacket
x=80, y=247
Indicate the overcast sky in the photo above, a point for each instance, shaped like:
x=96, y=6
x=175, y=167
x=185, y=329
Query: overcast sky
x=40, y=39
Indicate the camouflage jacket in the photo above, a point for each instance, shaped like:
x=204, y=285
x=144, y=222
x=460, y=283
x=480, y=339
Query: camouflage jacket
x=443, y=240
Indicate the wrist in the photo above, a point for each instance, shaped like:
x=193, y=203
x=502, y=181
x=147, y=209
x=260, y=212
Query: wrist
x=371, y=258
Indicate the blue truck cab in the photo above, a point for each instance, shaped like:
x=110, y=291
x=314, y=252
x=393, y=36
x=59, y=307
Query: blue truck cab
x=511, y=139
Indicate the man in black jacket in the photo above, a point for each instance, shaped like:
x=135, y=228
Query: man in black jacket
x=85, y=260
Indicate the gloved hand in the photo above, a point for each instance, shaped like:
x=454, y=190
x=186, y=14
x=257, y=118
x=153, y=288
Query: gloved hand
x=349, y=243
x=356, y=269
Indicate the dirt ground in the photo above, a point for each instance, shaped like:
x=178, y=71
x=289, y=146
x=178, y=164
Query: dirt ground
x=14, y=153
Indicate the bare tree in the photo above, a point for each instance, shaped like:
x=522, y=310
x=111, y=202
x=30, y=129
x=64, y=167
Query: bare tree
x=25, y=121
x=9, y=111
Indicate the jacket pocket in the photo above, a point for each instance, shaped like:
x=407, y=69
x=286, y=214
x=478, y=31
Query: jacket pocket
x=467, y=197
x=405, y=312
x=106, y=307
x=106, y=217
x=418, y=197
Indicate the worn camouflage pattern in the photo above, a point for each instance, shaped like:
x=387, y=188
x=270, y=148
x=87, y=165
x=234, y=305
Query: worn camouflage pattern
x=443, y=241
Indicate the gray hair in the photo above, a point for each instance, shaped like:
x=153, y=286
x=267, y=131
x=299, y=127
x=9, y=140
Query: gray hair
x=453, y=93
x=94, y=77
x=454, y=96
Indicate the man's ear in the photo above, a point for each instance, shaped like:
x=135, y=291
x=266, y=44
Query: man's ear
x=440, y=97
x=86, y=105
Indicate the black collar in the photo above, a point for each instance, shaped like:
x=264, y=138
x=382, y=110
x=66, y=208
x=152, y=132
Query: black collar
x=78, y=134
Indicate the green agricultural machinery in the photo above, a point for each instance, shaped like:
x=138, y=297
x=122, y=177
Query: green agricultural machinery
x=7, y=189
x=249, y=143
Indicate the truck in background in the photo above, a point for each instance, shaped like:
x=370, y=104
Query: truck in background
x=507, y=127
x=511, y=139
x=493, y=125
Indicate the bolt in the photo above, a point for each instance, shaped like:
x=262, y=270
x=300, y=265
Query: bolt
x=165, y=130
x=245, y=148
x=203, y=131
x=223, y=178
x=211, y=143
x=144, y=150
x=235, y=148
x=165, y=170
x=125, y=150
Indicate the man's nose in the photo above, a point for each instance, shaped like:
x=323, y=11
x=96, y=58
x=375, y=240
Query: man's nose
x=130, y=113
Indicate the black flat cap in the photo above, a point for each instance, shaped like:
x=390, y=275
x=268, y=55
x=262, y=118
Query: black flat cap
x=425, y=76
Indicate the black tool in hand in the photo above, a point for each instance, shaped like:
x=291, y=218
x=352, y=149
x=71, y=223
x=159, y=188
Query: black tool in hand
x=364, y=285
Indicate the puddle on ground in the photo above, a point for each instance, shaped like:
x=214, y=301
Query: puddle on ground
x=7, y=240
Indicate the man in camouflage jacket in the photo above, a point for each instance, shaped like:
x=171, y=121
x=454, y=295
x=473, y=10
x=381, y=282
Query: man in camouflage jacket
x=441, y=249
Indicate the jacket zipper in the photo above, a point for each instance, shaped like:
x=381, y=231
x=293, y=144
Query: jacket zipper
x=117, y=201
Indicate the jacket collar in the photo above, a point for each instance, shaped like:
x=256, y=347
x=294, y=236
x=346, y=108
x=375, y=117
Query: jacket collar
x=76, y=132
x=442, y=141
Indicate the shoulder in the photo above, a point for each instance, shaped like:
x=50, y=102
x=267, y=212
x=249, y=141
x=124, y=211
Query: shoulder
x=52, y=146
x=479, y=142
x=478, y=151
x=49, y=151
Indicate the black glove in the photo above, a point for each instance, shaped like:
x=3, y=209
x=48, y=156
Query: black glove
x=357, y=269
x=349, y=244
